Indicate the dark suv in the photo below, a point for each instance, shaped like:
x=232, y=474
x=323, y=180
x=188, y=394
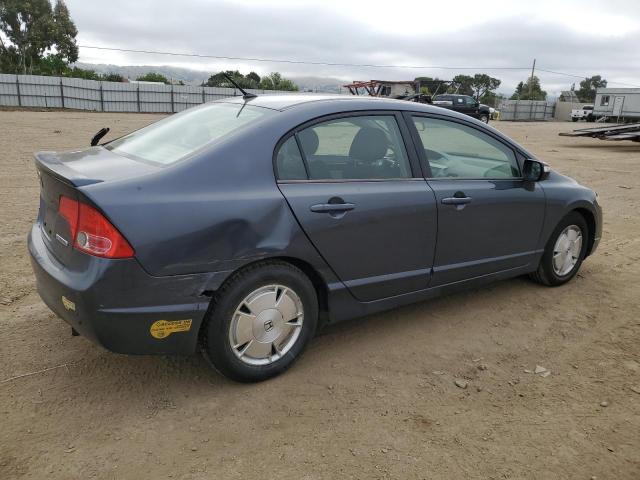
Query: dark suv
x=463, y=104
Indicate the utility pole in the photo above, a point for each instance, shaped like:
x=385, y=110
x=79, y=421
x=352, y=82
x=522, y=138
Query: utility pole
x=533, y=69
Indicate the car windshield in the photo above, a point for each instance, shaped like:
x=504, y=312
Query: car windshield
x=175, y=137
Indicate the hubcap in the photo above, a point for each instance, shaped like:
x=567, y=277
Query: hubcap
x=567, y=250
x=266, y=325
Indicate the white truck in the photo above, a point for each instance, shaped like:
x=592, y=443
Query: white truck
x=584, y=113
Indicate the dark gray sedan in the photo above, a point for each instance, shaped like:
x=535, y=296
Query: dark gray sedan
x=237, y=226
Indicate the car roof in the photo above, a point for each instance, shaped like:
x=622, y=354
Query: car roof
x=340, y=102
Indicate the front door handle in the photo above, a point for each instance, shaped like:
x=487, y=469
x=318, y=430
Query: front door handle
x=456, y=200
x=332, y=207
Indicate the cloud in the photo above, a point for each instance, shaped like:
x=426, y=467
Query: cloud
x=565, y=40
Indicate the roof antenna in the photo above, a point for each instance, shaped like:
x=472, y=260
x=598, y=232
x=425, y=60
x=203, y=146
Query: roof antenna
x=245, y=95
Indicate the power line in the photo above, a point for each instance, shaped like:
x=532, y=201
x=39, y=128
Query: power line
x=334, y=64
x=582, y=77
x=297, y=62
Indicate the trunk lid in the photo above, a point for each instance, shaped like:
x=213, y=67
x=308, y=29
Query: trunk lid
x=66, y=174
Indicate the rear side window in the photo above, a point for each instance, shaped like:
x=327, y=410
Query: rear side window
x=175, y=137
x=289, y=163
x=365, y=147
x=456, y=150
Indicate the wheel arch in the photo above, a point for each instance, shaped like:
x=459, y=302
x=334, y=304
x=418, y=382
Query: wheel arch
x=318, y=281
x=591, y=225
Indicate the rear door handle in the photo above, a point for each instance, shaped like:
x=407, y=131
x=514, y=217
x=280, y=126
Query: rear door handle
x=332, y=207
x=456, y=200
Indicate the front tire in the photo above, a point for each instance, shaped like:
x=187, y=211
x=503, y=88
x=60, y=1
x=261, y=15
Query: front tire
x=260, y=321
x=564, y=252
x=484, y=118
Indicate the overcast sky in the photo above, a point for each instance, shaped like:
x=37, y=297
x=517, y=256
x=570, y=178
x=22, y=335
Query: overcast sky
x=583, y=37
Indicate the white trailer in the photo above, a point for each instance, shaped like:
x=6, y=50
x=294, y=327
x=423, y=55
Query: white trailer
x=617, y=104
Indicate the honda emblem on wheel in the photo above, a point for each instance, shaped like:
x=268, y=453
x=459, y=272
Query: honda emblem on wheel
x=268, y=326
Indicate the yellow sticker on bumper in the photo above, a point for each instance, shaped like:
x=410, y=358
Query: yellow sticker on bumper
x=164, y=328
x=68, y=304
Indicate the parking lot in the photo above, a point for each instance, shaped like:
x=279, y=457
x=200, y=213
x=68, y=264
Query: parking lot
x=371, y=398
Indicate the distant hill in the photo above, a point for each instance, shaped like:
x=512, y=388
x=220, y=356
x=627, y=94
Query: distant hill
x=196, y=77
x=320, y=84
x=190, y=77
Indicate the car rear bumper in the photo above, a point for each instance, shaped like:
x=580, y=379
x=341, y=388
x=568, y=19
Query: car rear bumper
x=117, y=305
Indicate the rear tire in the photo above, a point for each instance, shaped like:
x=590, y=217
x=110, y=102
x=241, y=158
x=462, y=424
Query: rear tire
x=247, y=334
x=564, y=252
x=484, y=118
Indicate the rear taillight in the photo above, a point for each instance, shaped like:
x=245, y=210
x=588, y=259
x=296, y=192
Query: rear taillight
x=91, y=232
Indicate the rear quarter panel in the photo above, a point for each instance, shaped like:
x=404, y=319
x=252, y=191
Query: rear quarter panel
x=214, y=212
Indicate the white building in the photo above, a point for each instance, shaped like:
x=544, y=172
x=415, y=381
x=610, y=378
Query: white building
x=622, y=103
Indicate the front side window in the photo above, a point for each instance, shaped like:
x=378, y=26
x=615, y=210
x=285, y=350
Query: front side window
x=456, y=150
x=366, y=147
x=175, y=137
x=604, y=101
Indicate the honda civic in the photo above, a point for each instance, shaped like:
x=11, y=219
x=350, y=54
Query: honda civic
x=237, y=227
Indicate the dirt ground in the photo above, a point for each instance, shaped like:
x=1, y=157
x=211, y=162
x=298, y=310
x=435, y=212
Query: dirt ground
x=371, y=398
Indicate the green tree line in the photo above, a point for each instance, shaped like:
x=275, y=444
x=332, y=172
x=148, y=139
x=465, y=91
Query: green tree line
x=482, y=87
x=273, y=81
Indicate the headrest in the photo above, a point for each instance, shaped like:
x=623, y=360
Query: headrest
x=309, y=141
x=369, y=144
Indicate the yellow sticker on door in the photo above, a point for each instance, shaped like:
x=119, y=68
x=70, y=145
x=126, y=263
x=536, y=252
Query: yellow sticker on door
x=164, y=328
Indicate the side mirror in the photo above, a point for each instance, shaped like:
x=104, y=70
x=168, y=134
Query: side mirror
x=534, y=171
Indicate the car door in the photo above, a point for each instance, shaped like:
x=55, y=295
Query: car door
x=470, y=106
x=358, y=194
x=489, y=218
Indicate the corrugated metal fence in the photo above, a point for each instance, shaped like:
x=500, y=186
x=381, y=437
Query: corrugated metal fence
x=526, y=110
x=62, y=92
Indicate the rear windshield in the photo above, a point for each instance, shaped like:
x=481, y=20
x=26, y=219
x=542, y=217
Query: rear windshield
x=175, y=137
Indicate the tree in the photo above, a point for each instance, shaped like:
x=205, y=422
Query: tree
x=253, y=77
x=153, y=77
x=483, y=84
x=464, y=84
x=251, y=80
x=522, y=90
x=275, y=81
x=588, y=87
x=65, y=33
x=112, y=77
x=32, y=28
x=432, y=85
x=492, y=99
